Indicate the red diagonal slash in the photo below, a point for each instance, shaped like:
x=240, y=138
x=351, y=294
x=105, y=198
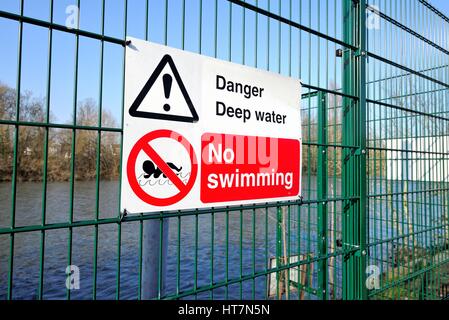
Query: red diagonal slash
x=160, y=163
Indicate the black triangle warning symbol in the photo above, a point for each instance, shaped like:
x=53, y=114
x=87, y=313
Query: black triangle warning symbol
x=134, y=109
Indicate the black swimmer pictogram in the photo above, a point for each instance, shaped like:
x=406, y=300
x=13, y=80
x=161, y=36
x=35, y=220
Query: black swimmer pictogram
x=151, y=170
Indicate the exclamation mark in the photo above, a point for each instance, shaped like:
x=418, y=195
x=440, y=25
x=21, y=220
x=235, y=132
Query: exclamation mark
x=167, y=79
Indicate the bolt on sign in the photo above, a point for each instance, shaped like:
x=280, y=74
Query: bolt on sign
x=200, y=132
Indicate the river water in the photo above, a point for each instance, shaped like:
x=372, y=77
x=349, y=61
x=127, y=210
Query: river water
x=27, y=245
x=247, y=251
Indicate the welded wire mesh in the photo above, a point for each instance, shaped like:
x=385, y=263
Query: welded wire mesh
x=374, y=126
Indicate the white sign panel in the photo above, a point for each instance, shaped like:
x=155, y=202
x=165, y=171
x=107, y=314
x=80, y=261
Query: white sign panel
x=200, y=132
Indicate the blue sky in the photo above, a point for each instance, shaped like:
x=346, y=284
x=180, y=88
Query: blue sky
x=318, y=65
x=442, y=5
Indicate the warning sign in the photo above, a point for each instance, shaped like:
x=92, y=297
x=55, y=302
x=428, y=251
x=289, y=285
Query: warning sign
x=200, y=132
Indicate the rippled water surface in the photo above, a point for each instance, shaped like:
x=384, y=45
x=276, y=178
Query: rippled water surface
x=242, y=244
x=27, y=246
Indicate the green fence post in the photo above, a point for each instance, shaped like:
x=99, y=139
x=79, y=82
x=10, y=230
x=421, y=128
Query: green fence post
x=346, y=154
x=361, y=135
x=354, y=161
x=322, y=194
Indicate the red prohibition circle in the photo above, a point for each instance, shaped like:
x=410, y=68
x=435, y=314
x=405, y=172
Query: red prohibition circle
x=143, y=145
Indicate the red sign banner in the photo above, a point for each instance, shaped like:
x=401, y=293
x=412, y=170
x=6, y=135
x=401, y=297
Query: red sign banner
x=236, y=168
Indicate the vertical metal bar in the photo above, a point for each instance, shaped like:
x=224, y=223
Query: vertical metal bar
x=139, y=289
x=354, y=168
x=73, y=151
x=241, y=254
x=279, y=255
x=334, y=226
x=98, y=159
x=227, y=211
x=212, y=243
x=256, y=32
x=346, y=169
x=267, y=261
x=141, y=228
x=280, y=276
x=146, y=19
x=155, y=239
x=361, y=85
x=44, y=178
x=254, y=254
x=178, y=258
x=241, y=211
x=200, y=27
x=119, y=225
x=298, y=215
x=178, y=261
x=161, y=260
x=288, y=228
x=166, y=23
x=227, y=257
x=15, y=158
x=195, y=275
x=309, y=130
x=322, y=181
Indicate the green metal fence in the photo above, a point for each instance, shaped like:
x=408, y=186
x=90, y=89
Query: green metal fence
x=373, y=218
